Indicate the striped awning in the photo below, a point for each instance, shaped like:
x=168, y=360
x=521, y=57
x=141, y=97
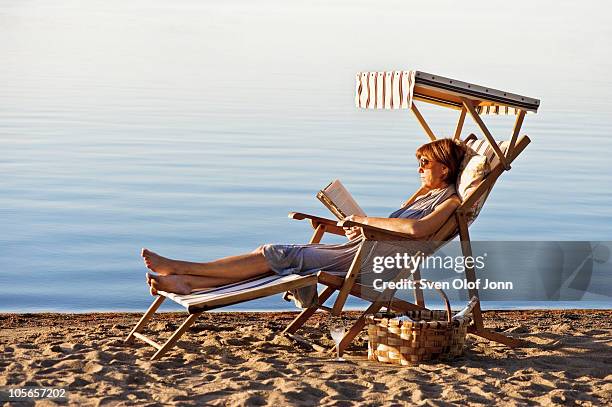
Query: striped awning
x=398, y=89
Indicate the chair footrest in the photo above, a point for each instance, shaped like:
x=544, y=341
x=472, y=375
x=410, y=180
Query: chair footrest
x=258, y=287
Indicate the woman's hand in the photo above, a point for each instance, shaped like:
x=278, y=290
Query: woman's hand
x=354, y=231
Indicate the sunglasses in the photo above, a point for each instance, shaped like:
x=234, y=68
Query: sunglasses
x=424, y=162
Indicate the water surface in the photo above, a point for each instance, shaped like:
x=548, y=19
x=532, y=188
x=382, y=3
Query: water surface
x=193, y=127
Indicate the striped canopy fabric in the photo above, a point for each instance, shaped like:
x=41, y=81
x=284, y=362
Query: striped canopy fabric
x=384, y=90
x=398, y=89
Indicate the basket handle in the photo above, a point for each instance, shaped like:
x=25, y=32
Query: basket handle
x=449, y=317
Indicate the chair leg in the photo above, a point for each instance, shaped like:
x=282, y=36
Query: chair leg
x=145, y=318
x=372, y=309
x=470, y=275
x=175, y=336
x=358, y=325
x=497, y=337
x=308, y=312
x=419, y=299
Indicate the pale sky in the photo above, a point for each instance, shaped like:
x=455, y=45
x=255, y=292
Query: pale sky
x=545, y=49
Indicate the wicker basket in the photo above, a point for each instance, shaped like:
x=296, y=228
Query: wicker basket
x=434, y=336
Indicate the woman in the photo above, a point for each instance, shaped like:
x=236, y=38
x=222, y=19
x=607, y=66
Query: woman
x=420, y=216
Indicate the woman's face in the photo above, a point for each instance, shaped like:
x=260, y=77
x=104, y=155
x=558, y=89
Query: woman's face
x=432, y=173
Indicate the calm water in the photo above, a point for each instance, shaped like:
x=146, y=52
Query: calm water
x=192, y=128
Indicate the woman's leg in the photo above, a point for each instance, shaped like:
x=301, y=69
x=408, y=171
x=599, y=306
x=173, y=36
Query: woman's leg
x=234, y=268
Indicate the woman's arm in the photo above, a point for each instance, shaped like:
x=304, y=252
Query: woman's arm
x=418, y=228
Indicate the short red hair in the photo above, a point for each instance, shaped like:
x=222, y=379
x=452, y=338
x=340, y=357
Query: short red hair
x=446, y=151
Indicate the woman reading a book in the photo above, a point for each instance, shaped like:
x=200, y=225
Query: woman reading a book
x=419, y=216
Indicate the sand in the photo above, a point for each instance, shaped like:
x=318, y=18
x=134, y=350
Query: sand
x=237, y=359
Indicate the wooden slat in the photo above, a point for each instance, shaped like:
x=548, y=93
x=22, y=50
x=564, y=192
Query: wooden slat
x=422, y=122
x=175, y=337
x=315, y=221
x=349, y=280
x=450, y=90
x=469, y=105
x=145, y=318
x=460, y=122
x=336, y=230
x=515, y=132
x=358, y=325
x=318, y=234
x=147, y=340
x=497, y=337
x=418, y=291
x=470, y=273
x=442, y=103
x=304, y=341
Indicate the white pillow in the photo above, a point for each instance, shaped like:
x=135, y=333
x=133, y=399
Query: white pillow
x=472, y=171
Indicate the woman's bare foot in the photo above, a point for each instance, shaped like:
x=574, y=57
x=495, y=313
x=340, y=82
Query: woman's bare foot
x=158, y=264
x=151, y=290
x=171, y=284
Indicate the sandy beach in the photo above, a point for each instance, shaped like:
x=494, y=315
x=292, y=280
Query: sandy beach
x=237, y=359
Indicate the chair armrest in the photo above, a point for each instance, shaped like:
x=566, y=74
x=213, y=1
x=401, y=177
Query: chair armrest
x=330, y=225
x=374, y=233
x=302, y=216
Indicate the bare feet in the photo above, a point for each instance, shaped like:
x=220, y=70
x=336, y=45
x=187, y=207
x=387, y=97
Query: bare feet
x=171, y=284
x=158, y=264
x=151, y=290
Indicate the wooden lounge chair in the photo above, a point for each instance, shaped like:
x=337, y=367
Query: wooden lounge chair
x=399, y=89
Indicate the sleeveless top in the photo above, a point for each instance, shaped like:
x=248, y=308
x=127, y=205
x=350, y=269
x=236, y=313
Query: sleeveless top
x=424, y=204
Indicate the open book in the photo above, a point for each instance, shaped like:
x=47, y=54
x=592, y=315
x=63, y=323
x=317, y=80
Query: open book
x=339, y=200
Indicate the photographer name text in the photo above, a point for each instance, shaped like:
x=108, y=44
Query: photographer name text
x=457, y=283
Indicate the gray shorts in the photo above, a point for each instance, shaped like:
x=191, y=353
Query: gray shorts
x=307, y=259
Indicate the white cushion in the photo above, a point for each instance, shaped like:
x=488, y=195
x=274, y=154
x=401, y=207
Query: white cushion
x=483, y=147
x=474, y=168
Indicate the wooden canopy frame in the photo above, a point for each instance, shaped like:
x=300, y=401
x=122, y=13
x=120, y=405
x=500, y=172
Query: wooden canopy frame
x=400, y=90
